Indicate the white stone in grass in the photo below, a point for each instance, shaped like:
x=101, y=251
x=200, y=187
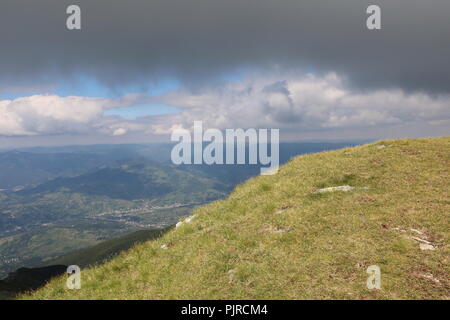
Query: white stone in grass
x=421, y=240
x=187, y=220
x=431, y=277
x=164, y=247
x=425, y=246
x=231, y=274
x=381, y=146
x=332, y=189
x=283, y=230
x=340, y=188
x=416, y=231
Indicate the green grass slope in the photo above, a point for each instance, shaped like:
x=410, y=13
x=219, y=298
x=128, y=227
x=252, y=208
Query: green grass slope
x=83, y=258
x=276, y=238
x=106, y=250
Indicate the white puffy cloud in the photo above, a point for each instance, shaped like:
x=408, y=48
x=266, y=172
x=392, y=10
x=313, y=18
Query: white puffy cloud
x=119, y=132
x=52, y=114
x=307, y=103
x=301, y=103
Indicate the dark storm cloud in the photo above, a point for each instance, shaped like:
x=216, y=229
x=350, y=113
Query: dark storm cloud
x=133, y=41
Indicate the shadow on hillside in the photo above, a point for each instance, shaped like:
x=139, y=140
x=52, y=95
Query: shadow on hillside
x=30, y=279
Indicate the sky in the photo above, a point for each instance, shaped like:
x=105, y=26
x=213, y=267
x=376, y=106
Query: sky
x=138, y=69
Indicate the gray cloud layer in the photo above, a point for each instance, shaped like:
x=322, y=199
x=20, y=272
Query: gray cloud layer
x=303, y=104
x=135, y=41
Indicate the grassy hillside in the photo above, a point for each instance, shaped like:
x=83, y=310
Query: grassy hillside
x=22, y=280
x=107, y=249
x=277, y=237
